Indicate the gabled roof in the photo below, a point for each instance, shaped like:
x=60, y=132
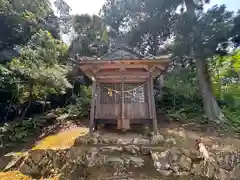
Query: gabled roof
x=122, y=53
x=7, y=54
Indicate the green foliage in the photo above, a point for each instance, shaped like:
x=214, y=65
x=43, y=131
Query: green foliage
x=233, y=118
x=81, y=106
x=181, y=98
x=39, y=63
x=20, y=19
x=91, y=37
x=192, y=36
x=33, y=59
x=225, y=79
x=20, y=131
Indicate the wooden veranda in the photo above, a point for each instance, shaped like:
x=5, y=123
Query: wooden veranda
x=122, y=88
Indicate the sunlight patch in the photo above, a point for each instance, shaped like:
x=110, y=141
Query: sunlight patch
x=13, y=175
x=61, y=140
x=16, y=175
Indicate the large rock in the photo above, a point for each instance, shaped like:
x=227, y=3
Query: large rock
x=182, y=173
x=93, y=158
x=140, y=141
x=115, y=161
x=51, y=116
x=121, y=142
x=145, y=150
x=222, y=174
x=105, y=141
x=4, y=161
x=157, y=139
x=74, y=152
x=171, y=141
x=161, y=163
x=210, y=170
x=228, y=160
x=175, y=154
x=186, y=152
x=136, y=161
x=92, y=153
x=185, y=163
x=197, y=169
x=165, y=172
x=60, y=158
x=34, y=163
x=62, y=117
x=80, y=141
x=96, y=135
x=30, y=169
x=93, y=140
x=236, y=172
x=43, y=162
x=111, y=149
x=132, y=149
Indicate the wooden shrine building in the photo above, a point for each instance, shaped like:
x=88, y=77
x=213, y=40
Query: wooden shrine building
x=123, y=87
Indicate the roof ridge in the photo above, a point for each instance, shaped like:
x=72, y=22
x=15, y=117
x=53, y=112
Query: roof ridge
x=126, y=48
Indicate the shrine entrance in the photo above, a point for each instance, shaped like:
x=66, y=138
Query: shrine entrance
x=122, y=87
x=123, y=102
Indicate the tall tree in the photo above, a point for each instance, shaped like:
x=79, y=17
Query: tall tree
x=91, y=36
x=20, y=20
x=64, y=17
x=196, y=35
x=39, y=64
x=204, y=38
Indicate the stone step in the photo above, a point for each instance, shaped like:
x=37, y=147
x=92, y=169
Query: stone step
x=153, y=141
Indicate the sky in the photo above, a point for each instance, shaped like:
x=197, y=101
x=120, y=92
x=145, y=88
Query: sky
x=93, y=6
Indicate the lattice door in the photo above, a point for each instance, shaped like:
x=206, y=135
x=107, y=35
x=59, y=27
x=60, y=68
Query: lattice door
x=135, y=101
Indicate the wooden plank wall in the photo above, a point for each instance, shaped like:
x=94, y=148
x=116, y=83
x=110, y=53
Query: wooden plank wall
x=135, y=105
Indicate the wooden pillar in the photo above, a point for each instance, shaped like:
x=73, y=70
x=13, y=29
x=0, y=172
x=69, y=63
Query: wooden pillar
x=97, y=101
x=122, y=100
x=161, y=85
x=120, y=121
x=149, y=98
x=93, y=101
x=154, y=117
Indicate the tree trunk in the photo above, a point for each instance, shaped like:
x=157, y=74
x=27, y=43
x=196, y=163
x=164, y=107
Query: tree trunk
x=161, y=85
x=30, y=97
x=210, y=104
x=239, y=77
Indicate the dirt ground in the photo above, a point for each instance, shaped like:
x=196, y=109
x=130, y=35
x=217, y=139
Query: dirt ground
x=185, y=134
x=63, y=136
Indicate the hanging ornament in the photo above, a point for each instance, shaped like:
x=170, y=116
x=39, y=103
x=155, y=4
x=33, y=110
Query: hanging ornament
x=110, y=93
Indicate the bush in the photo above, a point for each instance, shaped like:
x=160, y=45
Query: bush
x=80, y=104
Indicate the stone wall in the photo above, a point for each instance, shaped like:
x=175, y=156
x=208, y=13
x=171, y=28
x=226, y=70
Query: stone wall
x=163, y=155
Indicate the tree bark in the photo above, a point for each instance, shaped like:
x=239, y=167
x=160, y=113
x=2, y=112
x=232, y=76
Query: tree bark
x=161, y=85
x=30, y=97
x=210, y=104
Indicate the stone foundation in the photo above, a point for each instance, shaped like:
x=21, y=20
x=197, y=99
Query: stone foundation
x=158, y=154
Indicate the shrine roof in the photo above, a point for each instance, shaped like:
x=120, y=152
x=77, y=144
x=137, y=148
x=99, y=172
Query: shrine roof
x=123, y=54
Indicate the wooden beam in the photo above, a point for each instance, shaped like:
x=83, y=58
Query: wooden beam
x=122, y=116
x=149, y=97
x=119, y=80
x=134, y=61
x=98, y=93
x=92, y=114
x=121, y=66
x=154, y=118
x=122, y=74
